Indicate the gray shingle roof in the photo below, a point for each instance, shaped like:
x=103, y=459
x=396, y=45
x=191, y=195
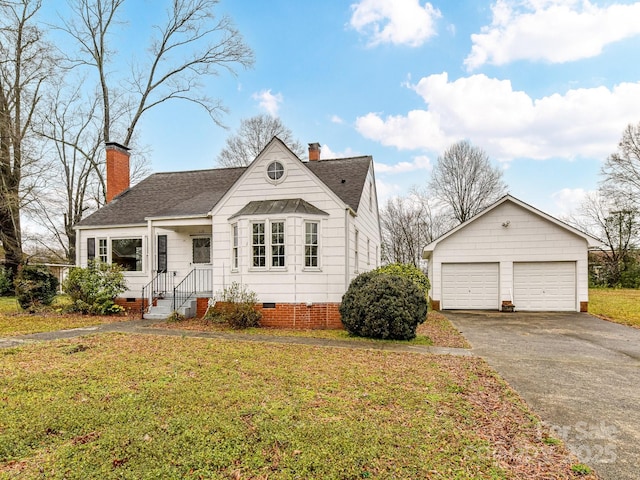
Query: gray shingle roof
x=195, y=193
x=345, y=176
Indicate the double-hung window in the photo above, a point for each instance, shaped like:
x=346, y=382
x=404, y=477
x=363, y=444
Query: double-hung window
x=258, y=246
x=103, y=254
x=311, y=244
x=235, y=254
x=268, y=244
x=277, y=244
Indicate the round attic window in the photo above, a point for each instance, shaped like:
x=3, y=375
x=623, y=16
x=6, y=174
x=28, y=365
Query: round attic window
x=275, y=171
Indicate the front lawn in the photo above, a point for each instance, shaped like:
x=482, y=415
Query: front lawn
x=620, y=305
x=141, y=406
x=437, y=330
x=14, y=321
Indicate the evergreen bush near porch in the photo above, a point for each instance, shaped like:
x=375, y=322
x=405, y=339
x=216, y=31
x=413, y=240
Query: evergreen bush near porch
x=384, y=306
x=93, y=289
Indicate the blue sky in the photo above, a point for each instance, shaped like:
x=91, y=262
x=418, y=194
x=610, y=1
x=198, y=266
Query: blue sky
x=545, y=87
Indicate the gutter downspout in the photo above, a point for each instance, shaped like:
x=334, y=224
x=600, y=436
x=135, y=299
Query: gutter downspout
x=151, y=255
x=213, y=289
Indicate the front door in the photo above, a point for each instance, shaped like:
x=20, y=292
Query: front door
x=201, y=260
x=201, y=250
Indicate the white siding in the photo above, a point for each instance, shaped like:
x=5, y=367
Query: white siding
x=528, y=237
x=294, y=282
x=368, y=226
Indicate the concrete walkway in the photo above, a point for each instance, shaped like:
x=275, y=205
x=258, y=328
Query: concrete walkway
x=145, y=327
x=579, y=373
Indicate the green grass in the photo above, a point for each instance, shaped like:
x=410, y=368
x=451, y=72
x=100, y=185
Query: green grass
x=13, y=321
x=332, y=334
x=135, y=407
x=9, y=305
x=620, y=305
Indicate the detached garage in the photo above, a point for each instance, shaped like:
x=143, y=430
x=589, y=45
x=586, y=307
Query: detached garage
x=510, y=253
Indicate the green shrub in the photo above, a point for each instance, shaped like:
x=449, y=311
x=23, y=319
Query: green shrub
x=237, y=307
x=384, y=306
x=35, y=287
x=409, y=271
x=6, y=285
x=93, y=289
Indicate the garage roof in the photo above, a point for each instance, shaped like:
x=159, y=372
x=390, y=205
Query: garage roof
x=592, y=242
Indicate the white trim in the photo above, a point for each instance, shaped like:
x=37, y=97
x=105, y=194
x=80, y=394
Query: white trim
x=318, y=267
x=268, y=222
x=235, y=249
x=281, y=178
x=109, y=227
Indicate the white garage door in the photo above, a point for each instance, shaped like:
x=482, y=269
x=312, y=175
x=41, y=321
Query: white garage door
x=472, y=286
x=544, y=286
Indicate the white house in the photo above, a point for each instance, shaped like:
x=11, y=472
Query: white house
x=294, y=232
x=510, y=253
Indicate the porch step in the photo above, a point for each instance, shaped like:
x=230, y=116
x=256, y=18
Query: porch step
x=162, y=310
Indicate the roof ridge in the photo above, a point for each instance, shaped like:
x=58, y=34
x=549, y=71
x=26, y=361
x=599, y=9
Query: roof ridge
x=198, y=170
x=358, y=157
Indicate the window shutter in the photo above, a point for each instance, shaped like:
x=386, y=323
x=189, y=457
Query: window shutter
x=162, y=253
x=91, y=248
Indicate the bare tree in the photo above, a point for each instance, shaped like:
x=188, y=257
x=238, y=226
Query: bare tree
x=464, y=180
x=621, y=170
x=192, y=44
x=252, y=136
x=409, y=224
x=72, y=128
x=616, y=225
x=25, y=66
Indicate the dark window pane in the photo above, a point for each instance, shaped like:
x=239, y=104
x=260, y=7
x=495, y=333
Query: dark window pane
x=127, y=252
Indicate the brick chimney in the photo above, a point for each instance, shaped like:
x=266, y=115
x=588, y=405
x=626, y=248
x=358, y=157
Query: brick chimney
x=117, y=169
x=314, y=152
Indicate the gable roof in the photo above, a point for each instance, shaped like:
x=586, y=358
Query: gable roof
x=591, y=241
x=195, y=193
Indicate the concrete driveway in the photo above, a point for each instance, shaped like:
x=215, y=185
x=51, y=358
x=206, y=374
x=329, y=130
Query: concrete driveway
x=579, y=373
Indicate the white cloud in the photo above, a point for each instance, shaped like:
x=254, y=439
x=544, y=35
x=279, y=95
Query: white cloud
x=269, y=101
x=421, y=162
x=387, y=190
x=336, y=119
x=568, y=200
x=507, y=123
x=400, y=22
x=555, y=31
x=326, y=152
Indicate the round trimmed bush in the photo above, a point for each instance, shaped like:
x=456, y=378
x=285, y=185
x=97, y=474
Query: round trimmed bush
x=409, y=271
x=384, y=306
x=35, y=286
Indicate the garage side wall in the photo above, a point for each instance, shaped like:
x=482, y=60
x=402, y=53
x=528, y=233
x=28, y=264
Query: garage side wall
x=506, y=235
